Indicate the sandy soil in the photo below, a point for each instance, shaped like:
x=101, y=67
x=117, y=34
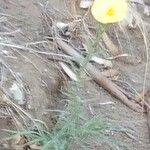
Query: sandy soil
x=42, y=80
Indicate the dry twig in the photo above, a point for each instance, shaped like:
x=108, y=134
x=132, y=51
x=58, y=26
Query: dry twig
x=107, y=84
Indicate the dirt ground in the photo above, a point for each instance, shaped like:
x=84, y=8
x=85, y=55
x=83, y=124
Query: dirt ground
x=41, y=80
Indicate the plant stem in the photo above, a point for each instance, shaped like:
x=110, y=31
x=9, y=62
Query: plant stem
x=92, y=49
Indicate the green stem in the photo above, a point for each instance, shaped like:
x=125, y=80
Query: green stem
x=92, y=50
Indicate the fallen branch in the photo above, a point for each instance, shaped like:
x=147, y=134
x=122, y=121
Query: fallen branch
x=73, y=8
x=115, y=51
x=107, y=84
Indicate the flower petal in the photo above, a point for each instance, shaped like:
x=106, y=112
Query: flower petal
x=109, y=11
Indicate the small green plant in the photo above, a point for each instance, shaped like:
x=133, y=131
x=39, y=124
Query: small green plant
x=73, y=126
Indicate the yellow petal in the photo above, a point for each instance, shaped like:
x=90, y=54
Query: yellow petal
x=109, y=11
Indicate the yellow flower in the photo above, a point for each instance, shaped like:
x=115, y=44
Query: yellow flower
x=109, y=11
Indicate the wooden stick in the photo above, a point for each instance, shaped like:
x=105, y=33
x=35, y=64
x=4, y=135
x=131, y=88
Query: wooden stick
x=114, y=50
x=107, y=84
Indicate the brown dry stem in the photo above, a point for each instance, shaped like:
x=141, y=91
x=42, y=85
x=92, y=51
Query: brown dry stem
x=107, y=84
x=115, y=51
